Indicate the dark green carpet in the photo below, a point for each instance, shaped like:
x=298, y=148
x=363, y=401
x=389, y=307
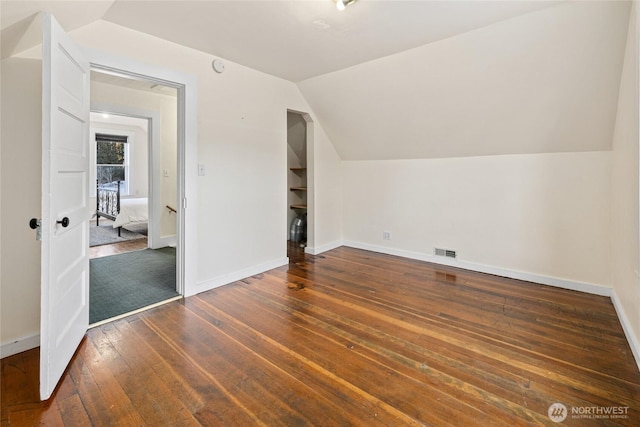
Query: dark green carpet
x=126, y=282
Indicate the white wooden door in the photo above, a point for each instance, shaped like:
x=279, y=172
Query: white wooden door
x=65, y=167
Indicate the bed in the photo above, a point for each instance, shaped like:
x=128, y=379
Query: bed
x=122, y=212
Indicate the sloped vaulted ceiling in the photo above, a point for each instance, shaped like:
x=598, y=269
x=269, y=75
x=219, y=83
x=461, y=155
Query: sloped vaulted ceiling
x=391, y=79
x=291, y=39
x=546, y=81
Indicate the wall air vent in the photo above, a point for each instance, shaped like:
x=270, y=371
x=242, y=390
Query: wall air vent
x=445, y=252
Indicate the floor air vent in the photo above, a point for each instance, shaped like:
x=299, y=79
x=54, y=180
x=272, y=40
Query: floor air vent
x=445, y=252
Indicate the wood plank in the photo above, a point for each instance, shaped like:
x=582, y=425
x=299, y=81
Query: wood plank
x=471, y=332
x=148, y=406
x=117, y=248
x=214, y=355
x=407, y=358
x=105, y=400
x=176, y=399
x=522, y=322
x=326, y=348
x=72, y=411
x=442, y=344
x=519, y=326
x=329, y=394
x=348, y=337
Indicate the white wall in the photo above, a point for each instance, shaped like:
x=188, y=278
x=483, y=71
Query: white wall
x=624, y=201
x=326, y=204
x=544, y=214
x=20, y=183
x=242, y=198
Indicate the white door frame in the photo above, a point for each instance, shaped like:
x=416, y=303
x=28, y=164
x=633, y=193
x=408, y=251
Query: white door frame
x=155, y=240
x=186, y=86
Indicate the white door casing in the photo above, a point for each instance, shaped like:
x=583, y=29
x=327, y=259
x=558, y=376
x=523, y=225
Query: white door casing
x=187, y=86
x=154, y=118
x=65, y=168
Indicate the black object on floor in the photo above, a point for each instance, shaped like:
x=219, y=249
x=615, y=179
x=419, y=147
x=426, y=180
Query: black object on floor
x=126, y=282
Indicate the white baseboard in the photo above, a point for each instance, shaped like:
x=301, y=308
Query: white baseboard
x=225, y=279
x=19, y=345
x=529, y=277
x=323, y=248
x=165, y=241
x=626, y=327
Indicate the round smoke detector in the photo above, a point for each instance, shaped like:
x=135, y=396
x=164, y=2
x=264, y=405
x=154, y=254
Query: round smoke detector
x=218, y=65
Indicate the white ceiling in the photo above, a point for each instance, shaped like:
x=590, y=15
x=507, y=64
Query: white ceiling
x=544, y=82
x=113, y=119
x=292, y=39
x=391, y=79
x=131, y=83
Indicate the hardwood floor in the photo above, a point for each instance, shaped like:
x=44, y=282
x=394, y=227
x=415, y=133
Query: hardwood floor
x=117, y=248
x=295, y=252
x=348, y=337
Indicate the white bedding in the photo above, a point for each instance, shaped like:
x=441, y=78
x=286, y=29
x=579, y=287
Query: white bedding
x=132, y=210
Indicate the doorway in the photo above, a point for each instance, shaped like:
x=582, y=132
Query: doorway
x=298, y=180
x=134, y=157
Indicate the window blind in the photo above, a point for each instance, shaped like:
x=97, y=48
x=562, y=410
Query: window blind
x=103, y=137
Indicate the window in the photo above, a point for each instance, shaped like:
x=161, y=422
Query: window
x=112, y=163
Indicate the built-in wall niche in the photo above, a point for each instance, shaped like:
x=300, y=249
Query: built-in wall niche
x=297, y=168
x=298, y=185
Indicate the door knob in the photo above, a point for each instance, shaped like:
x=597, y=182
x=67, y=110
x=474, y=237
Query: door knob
x=64, y=222
x=35, y=223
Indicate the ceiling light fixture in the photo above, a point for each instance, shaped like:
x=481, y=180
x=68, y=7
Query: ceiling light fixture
x=342, y=4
